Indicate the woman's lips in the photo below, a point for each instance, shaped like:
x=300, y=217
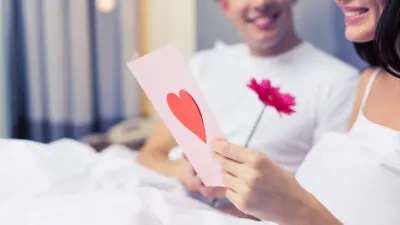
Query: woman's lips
x=354, y=14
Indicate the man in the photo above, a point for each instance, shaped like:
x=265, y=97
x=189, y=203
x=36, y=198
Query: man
x=322, y=85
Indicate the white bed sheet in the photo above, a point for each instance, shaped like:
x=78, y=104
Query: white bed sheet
x=67, y=183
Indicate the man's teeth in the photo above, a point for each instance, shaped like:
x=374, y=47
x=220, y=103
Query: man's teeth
x=263, y=20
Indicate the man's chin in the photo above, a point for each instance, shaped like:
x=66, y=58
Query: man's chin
x=264, y=43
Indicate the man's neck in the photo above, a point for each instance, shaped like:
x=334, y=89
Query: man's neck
x=287, y=43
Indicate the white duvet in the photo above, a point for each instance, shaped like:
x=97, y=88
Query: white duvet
x=67, y=183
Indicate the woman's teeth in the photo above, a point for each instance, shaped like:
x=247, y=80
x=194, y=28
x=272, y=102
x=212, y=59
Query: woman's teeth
x=355, y=12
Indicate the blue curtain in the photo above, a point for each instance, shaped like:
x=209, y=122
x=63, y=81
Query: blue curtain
x=65, y=68
x=4, y=110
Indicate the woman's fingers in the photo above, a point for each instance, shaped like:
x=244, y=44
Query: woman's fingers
x=234, y=152
x=236, y=199
x=213, y=192
x=245, y=172
x=227, y=150
x=230, y=166
x=257, y=185
x=235, y=184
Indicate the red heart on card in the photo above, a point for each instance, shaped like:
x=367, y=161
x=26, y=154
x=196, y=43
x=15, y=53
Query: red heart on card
x=186, y=110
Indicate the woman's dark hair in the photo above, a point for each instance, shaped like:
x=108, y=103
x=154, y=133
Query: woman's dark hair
x=382, y=51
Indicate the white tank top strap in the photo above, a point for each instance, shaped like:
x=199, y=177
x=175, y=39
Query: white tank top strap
x=368, y=88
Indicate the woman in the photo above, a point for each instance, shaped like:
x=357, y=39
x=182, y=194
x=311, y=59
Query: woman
x=355, y=176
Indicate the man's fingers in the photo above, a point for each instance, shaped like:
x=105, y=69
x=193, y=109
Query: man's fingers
x=185, y=160
x=184, y=157
x=194, y=184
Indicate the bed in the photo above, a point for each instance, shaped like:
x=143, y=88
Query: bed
x=67, y=182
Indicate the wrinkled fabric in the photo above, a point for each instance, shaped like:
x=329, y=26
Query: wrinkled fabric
x=67, y=183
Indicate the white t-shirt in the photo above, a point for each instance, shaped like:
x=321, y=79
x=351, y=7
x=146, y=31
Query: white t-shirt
x=322, y=85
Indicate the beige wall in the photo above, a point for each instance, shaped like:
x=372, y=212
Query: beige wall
x=164, y=22
x=173, y=21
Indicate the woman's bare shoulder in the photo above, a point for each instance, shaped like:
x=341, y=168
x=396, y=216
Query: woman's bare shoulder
x=367, y=73
x=365, y=76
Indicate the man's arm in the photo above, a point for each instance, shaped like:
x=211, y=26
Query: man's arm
x=154, y=153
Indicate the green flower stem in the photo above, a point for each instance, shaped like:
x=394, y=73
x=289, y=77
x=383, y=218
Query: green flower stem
x=255, y=127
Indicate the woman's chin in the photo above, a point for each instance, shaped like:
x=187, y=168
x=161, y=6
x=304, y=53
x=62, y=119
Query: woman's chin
x=355, y=35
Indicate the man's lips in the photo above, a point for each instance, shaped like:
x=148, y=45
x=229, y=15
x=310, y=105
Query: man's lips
x=264, y=21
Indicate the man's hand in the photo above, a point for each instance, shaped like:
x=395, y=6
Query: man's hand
x=185, y=173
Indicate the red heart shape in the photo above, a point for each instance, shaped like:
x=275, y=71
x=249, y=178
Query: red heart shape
x=186, y=110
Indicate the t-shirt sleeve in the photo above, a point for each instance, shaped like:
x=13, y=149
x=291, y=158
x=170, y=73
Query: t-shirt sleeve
x=335, y=106
x=195, y=64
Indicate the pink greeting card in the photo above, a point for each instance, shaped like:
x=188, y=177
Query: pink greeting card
x=169, y=84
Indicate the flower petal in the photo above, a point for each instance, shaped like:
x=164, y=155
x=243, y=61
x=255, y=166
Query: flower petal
x=253, y=85
x=271, y=96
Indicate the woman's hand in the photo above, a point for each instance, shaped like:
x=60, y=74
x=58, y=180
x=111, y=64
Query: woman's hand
x=233, y=211
x=259, y=187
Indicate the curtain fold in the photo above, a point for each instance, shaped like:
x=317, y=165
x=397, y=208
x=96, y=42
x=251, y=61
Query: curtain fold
x=72, y=78
x=4, y=112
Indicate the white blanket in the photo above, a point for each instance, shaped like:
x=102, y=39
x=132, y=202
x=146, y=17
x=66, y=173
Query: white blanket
x=67, y=183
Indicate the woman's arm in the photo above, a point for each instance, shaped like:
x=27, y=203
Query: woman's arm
x=259, y=187
x=313, y=213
